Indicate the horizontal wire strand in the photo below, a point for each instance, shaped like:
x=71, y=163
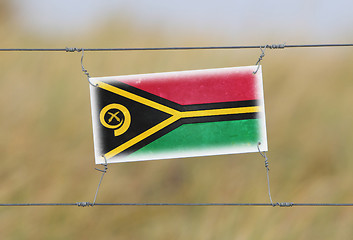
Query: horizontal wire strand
x=87, y=204
x=272, y=46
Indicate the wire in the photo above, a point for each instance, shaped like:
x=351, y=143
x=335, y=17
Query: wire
x=104, y=171
x=36, y=204
x=273, y=46
x=285, y=204
x=88, y=204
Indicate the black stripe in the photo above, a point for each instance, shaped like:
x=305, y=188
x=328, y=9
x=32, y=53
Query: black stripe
x=221, y=105
x=229, y=117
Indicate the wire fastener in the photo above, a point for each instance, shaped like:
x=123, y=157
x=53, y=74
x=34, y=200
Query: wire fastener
x=68, y=49
x=103, y=173
x=260, y=59
x=84, y=204
x=284, y=204
x=263, y=154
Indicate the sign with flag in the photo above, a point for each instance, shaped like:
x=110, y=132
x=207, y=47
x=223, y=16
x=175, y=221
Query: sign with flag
x=178, y=114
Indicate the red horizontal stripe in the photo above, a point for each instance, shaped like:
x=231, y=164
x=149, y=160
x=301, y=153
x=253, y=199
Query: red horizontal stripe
x=199, y=87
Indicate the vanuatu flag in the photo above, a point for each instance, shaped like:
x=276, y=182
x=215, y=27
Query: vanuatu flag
x=178, y=114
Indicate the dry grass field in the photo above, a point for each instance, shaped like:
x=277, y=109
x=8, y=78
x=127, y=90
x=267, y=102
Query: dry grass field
x=46, y=146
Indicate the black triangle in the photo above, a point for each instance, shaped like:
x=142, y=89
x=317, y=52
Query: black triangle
x=143, y=118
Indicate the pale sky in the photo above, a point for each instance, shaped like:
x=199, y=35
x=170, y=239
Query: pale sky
x=316, y=21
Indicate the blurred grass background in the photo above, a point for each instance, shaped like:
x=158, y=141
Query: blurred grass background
x=46, y=145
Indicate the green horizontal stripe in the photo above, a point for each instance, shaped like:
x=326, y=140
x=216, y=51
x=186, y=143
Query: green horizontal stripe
x=205, y=135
